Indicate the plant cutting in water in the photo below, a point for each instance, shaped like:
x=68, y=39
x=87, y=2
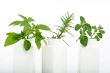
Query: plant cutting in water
x=88, y=32
x=30, y=31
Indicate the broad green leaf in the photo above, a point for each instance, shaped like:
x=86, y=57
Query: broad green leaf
x=38, y=35
x=38, y=38
x=30, y=19
x=42, y=27
x=38, y=43
x=77, y=27
x=88, y=27
x=26, y=26
x=11, y=33
x=16, y=23
x=100, y=35
x=100, y=27
x=27, y=45
x=89, y=33
x=84, y=28
x=12, y=38
x=84, y=40
x=97, y=38
x=102, y=31
x=27, y=31
x=17, y=36
x=82, y=19
x=95, y=28
x=25, y=23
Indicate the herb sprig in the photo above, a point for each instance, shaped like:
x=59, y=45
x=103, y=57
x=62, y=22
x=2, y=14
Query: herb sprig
x=30, y=31
x=88, y=32
x=64, y=28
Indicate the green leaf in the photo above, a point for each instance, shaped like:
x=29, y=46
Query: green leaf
x=84, y=28
x=22, y=34
x=88, y=27
x=15, y=23
x=30, y=19
x=27, y=45
x=38, y=38
x=27, y=31
x=23, y=17
x=77, y=27
x=102, y=31
x=84, y=40
x=38, y=35
x=89, y=33
x=100, y=35
x=25, y=23
x=26, y=26
x=38, y=43
x=81, y=31
x=97, y=38
x=82, y=19
x=12, y=38
x=42, y=27
x=95, y=28
x=100, y=27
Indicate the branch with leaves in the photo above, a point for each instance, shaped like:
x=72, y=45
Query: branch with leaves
x=64, y=28
x=88, y=32
x=30, y=31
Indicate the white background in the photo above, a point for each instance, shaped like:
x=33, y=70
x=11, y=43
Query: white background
x=48, y=12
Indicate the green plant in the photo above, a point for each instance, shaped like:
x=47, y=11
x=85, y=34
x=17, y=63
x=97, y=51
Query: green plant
x=88, y=32
x=66, y=24
x=30, y=31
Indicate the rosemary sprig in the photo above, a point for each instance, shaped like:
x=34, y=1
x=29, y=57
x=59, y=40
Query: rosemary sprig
x=65, y=26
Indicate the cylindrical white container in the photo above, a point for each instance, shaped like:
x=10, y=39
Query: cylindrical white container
x=54, y=57
x=23, y=61
x=89, y=58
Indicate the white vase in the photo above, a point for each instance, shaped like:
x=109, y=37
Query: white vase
x=23, y=61
x=54, y=57
x=89, y=57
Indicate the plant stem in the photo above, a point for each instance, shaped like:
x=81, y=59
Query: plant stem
x=27, y=37
x=93, y=34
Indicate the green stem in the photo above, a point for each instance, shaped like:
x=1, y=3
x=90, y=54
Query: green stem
x=27, y=37
x=93, y=34
x=59, y=36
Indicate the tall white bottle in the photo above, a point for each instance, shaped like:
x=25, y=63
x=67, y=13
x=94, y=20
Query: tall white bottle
x=54, y=57
x=89, y=58
x=23, y=61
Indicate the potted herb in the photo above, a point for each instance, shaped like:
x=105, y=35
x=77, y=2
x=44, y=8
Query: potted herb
x=24, y=50
x=55, y=53
x=89, y=53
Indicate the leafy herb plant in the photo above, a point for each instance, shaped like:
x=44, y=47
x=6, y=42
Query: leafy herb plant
x=88, y=32
x=30, y=31
x=64, y=28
